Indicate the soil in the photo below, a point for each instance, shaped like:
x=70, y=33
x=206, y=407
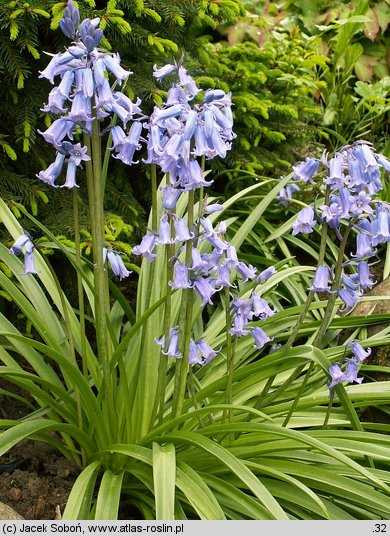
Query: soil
x=35, y=479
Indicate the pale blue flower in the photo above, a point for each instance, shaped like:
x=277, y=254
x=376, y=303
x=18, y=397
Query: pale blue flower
x=51, y=174
x=162, y=72
x=116, y=263
x=180, y=277
x=205, y=288
x=146, y=247
x=321, y=280
x=266, y=274
x=29, y=263
x=24, y=241
x=260, y=337
x=171, y=349
x=261, y=308
x=70, y=20
x=364, y=246
x=364, y=276
x=338, y=376
x=239, y=326
x=304, y=171
x=358, y=351
x=349, y=298
x=305, y=222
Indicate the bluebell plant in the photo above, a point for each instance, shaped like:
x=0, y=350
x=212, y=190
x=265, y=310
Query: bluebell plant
x=350, y=181
x=190, y=128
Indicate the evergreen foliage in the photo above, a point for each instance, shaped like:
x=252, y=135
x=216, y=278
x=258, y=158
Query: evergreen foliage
x=273, y=81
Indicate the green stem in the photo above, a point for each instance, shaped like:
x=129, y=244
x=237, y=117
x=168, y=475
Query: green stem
x=80, y=290
x=95, y=198
x=192, y=390
x=153, y=176
x=335, y=287
x=185, y=323
x=163, y=364
x=301, y=317
x=310, y=296
x=325, y=321
x=230, y=347
x=328, y=410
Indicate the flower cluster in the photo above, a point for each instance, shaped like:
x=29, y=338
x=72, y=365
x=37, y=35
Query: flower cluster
x=25, y=241
x=352, y=179
x=84, y=95
x=178, y=134
x=351, y=369
x=200, y=352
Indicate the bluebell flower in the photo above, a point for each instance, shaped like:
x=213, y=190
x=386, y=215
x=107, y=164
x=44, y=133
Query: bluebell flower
x=305, y=222
x=146, y=247
x=350, y=282
x=58, y=130
x=261, y=308
x=260, y=337
x=116, y=263
x=286, y=193
x=321, y=280
x=164, y=231
x=187, y=82
x=364, y=276
x=332, y=214
x=223, y=276
x=70, y=20
x=351, y=372
x=246, y=270
x=349, y=298
x=336, y=178
x=70, y=180
x=29, y=263
x=338, y=376
x=205, y=288
x=239, y=329
x=171, y=349
x=359, y=353
x=25, y=241
x=130, y=144
x=199, y=263
x=360, y=204
x=170, y=197
x=364, y=246
x=242, y=308
x=304, y=171
x=207, y=353
x=180, y=277
x=162, y=72
x=380, y=226
x=183, y=234
x=214, y=207
x=266, y=274
x=51, y=174
x=383, y=162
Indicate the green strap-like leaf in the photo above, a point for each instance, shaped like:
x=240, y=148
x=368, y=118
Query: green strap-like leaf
x=78, y=505
x=235, y=465
x=164, y=478
x=107, y=503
